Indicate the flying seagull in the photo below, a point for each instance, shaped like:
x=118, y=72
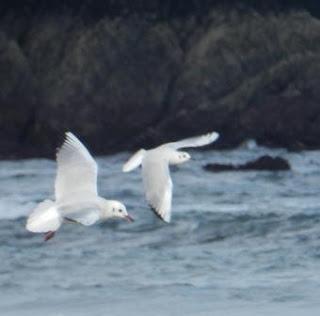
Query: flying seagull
x=155, y=170
x=76, y=194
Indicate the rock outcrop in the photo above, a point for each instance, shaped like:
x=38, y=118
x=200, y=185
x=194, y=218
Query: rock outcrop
x=264, y=163
x=123, y=76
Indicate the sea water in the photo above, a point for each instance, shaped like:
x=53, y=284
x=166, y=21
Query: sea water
x=240, y=243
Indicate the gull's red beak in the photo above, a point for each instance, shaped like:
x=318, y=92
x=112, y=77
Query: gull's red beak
x=129, y=218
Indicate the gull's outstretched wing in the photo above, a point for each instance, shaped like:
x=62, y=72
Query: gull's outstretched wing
x=76, y=169
x=196, y=141
x=134, y=162
x=157, y=186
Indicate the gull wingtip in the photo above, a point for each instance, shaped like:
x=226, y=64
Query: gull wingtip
x=125, y=169
x=214, y=136
x=70, y=135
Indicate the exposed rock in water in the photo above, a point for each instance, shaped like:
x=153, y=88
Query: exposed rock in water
x=264, y=163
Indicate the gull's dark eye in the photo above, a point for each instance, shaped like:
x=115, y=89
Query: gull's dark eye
x=120, y=210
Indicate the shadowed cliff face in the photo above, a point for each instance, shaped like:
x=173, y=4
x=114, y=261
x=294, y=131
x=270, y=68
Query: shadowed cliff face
x=135, y=79
x=250, y=75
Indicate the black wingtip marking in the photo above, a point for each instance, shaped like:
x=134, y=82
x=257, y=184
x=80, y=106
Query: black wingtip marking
x=157, y=214
x=70, y=220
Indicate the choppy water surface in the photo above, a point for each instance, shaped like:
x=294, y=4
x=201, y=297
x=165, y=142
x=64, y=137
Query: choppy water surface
x=240, y=243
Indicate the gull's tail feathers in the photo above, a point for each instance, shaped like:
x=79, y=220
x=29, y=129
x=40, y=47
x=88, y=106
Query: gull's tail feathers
x=44, y=218
x=134, y=162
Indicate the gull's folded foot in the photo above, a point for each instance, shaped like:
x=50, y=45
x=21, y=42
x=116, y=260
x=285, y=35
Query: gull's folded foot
x=48, y=235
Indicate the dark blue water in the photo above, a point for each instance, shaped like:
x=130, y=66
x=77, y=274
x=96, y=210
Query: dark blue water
x=240, y=243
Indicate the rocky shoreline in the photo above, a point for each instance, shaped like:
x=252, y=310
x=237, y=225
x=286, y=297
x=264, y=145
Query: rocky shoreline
x=136, y=79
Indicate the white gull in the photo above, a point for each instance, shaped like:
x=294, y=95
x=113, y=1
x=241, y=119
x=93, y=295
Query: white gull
x=76, y=193
x=155, y=170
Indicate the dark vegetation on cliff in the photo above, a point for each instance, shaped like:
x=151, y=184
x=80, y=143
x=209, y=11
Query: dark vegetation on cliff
x=123, y=74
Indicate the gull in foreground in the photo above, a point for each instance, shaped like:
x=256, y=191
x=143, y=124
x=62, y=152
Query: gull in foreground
x=155, y=170
x=76, y=194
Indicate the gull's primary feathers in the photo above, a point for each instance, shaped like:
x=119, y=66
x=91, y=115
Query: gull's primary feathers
x=155, y=170
x=77, y=171
x=76, y=194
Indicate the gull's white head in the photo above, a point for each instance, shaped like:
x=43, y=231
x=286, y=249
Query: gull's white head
x=183, y=156
x=179, y=157
x=115, y=209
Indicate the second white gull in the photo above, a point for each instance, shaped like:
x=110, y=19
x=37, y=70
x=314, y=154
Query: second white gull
x=155, y=170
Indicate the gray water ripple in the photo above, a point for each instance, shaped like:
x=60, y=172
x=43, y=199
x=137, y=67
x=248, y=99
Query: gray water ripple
x=245, y=239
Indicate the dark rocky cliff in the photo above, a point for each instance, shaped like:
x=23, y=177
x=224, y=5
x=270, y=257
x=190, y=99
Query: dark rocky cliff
x=123, y=74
